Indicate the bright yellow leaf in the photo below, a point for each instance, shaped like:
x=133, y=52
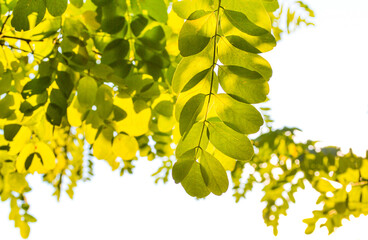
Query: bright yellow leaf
x=125, y=146
x=135, y=124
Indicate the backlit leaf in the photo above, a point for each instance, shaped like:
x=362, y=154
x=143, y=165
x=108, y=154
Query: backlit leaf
x=156, y=9
x=194, y=183
x=241, y=117
x=195, y=34
x=104, y=101
x=87, y=90
x=183, y=165
x=229, y=142
x=190, y=112
x=217, y=178
x=125, y=146
x=197, y=134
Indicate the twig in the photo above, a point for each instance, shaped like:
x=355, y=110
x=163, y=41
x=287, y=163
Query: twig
x=2, y=27
x=27, y=40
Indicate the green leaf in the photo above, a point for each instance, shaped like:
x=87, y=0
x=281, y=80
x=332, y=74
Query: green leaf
x=241, y=22
x=242, y=84
x=217, y=178
x=5, y=82
x=36, y=86
x=104, y=101
x=196, y=133
x=119, y=114
x=195, y=34
x=156, y=9
x=182, y=167
x=253, y=10
x=56, y=7
x=189, y=67
x=87, y=90
x=247, y=40
x=186, y=7
x=27, y=14
x=5, y=105
x=190, y=112
x=54, y=114
x=271, y=5
x=77, y=3
x=139, y=22
x=194, y=183
x=58, y=98
x=228, y=141
x=115, y=51
x=242, y=117
x=165, y=108
x=113, y=25
x=10, y=131
x=230, y=55
x=101, y=2
x=65, y=83
x=154, y=38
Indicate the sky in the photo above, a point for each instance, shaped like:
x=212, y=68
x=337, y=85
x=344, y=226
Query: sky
x=319, y=85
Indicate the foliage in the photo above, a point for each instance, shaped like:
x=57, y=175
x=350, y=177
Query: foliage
x=108, y=79
x=283, y=166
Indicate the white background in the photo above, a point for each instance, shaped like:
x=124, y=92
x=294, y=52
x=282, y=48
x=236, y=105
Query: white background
x=320, y=85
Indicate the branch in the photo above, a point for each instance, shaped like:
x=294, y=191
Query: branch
x=2, y=27
x=27, y=40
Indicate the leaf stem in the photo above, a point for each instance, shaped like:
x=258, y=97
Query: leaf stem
x=214, y=63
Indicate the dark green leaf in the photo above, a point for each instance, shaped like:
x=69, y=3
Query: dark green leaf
x=115, y=51
x=65, y=83
x=27, y=14
x=154, y=38
x=119, y=114
x=138, y=23
x=54, y=114
x=10, y=131
x=101, y=2
x=36, y=86
x=113, y=25
x=56, y=7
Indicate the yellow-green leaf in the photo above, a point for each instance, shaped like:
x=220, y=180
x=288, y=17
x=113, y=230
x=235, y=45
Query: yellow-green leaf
x=87, y=90
x=228, y=141
x=217, y=178
x=196, y=33
x=125, y=146
x=241, y=117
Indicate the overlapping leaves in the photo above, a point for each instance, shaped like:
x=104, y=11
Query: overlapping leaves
x=219, y=42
